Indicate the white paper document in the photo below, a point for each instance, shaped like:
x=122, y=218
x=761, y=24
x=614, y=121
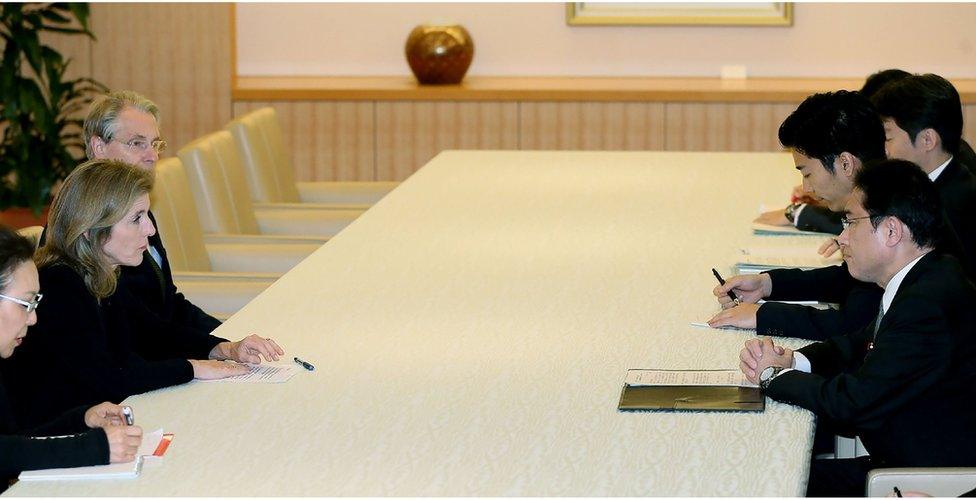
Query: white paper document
x=727, y=378
x=785, y=256
x=269, y=374
x=131, y=469
x=703, y=324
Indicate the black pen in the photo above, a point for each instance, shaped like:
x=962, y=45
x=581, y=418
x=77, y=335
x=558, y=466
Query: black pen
x=897, y=492
x=305, y=364
x=722, y=282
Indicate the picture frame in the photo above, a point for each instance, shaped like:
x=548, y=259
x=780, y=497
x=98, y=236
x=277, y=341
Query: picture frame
x=679, y=14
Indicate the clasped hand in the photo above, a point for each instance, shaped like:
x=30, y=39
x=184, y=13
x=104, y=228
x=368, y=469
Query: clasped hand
x=123, y=440
x=759, y=354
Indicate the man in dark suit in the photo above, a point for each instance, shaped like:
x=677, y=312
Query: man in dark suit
x=123, y=125
x=922, y=117
x=904, y=384
x=831, y=135
x=814, y=217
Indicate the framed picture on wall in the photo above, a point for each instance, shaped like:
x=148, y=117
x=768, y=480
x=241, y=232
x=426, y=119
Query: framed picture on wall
x=679, y=14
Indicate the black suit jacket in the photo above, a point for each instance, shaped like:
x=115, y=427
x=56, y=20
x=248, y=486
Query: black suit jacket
x=957, y=188
x=858, y=303
x=966, y=156
x=83, y=352
x=819, y=219
x=910, y=397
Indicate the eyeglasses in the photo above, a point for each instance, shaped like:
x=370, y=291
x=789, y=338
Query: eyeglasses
x=140, y=144
x=31, y=306
x=847, y=222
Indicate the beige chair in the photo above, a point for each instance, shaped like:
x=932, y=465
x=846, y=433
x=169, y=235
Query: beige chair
x=220, y=274
x=938, y=482
x=220, y=190
x=271, y=175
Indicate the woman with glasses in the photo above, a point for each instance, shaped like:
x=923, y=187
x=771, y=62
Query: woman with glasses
x=95, y=341
x=96, y=434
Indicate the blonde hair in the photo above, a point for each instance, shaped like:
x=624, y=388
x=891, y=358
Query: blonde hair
x=103, y=115
x=93, y=198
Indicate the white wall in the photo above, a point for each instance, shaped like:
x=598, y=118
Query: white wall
x=830, y=40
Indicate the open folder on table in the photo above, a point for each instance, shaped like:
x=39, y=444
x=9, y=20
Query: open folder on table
x=689, y=390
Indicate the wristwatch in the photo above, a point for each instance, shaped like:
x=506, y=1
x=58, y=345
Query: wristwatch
x=790, y=212
x=767, y=376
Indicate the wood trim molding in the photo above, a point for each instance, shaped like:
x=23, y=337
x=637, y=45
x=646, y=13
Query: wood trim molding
x=599, y=89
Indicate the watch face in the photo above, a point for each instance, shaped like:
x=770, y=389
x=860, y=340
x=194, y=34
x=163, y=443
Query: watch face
x=767, y=373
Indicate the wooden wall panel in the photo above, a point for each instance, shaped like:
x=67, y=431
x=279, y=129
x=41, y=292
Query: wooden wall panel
x=724, y=126
x=328, y=140
x=591, y=125
x=409, y=134
x=178, y=55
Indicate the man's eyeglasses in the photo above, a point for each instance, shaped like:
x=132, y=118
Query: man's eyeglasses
x=31, y=306
x=847, y=222
x=157, y=145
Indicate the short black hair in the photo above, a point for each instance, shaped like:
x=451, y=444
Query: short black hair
x=828, y=124
x=14, y=250
x=875, y=81
x=900, y=188
x=918, y=102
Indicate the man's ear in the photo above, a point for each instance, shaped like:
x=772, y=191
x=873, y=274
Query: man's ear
x=98, y=146
x=847, y=163
x=893, y=231
x=928, y=140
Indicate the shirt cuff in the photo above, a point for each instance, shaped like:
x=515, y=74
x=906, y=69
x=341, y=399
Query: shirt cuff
x=801, y=363
x=796, y=215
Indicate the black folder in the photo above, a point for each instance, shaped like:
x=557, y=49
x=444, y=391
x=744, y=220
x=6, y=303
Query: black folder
x=691, y=398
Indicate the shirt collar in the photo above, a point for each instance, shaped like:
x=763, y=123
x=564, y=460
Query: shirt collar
x=892, y=288
x=935, y=173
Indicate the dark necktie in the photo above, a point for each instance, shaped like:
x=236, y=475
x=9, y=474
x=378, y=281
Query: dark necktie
x=877, y=325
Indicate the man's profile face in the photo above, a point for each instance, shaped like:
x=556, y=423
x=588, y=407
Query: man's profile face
x=833, y=188
x=861, y=243
x=133, y=139
x=898, y=146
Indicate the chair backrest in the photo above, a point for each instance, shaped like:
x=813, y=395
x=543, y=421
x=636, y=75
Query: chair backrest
x=32, y=233
x=217, y=181
x=176, y=218
x=265, y=159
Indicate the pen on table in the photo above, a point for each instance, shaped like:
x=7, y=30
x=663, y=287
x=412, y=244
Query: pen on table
x=127, y=413
x=722, y=282
x=897, y=492
x=305, y=364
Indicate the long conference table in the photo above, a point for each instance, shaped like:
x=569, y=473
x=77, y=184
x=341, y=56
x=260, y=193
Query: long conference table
x=471, y=333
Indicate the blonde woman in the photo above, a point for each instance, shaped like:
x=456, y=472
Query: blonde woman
x=94, y=340
x=95, y=435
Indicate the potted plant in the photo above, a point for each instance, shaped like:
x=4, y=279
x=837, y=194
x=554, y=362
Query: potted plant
x=40, y=109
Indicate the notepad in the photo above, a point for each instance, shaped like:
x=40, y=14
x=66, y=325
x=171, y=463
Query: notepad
x=689, y=390
x=150, y=444
x=757, y=259
x=761, y=229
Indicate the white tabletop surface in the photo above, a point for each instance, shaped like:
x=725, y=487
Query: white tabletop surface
x=471, y=333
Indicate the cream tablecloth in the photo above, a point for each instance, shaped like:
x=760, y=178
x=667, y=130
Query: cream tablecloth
x=471, y=333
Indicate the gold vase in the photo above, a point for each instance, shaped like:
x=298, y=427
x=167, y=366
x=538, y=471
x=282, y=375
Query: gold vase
x=439, y=54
